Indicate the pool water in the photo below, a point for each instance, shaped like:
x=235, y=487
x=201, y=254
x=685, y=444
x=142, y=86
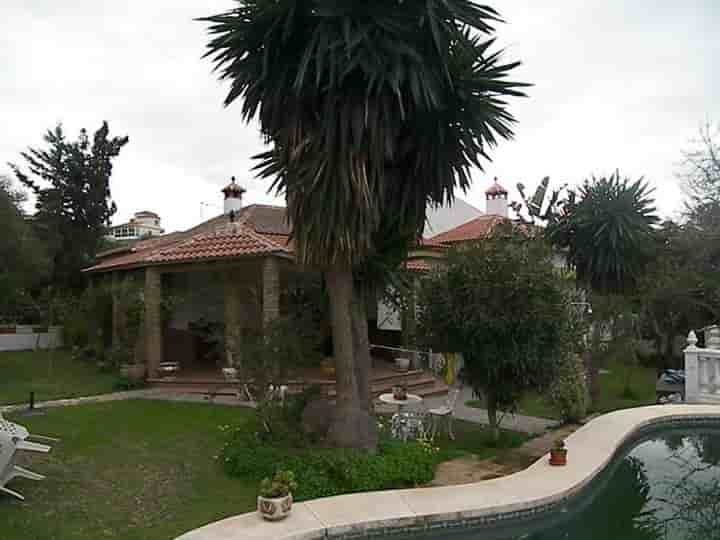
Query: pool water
x=664, y=486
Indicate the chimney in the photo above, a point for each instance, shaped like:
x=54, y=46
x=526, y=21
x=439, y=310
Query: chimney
x=233, y=197
x=496, y=200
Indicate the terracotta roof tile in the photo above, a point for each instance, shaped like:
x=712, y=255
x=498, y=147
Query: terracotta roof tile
x=229, y=242
x=474, y=229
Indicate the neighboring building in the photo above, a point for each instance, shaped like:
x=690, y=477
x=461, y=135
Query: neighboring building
x=496, y=209
x=444, y=218
x=142, y=225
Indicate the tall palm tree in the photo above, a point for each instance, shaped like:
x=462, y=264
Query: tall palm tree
x=372, y=109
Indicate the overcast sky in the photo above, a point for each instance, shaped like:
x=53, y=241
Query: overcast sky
x=618, y=84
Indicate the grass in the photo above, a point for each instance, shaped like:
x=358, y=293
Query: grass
x=26, y=371
x=136, y=470
x=145, y=470
x=612, y=393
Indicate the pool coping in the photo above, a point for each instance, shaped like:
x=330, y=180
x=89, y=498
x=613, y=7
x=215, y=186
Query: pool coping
x=525, y=494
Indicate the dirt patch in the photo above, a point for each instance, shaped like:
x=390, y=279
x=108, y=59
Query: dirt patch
x=468, y=469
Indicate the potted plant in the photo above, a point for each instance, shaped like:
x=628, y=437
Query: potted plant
x=558, y=453
x=124, y=358
x=402, y=364
x=275, y=500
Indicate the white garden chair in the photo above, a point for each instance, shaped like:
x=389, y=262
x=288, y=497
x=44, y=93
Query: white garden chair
x=445, y=412
x=21, y=432
x=9, y=446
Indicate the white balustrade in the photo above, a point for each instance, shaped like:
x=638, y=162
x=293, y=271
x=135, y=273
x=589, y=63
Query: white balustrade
x=702, y=368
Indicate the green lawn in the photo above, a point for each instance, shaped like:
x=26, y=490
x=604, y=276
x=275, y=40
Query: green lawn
x=26, y=371
x=612, y=386
x=146, y=470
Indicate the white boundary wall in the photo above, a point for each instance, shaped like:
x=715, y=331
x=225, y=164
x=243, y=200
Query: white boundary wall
x=26, y=339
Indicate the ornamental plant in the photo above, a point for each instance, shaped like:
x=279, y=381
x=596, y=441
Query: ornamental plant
x=568, y=393
x=280, y=485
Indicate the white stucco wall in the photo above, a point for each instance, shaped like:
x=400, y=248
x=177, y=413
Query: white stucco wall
x=25, y=339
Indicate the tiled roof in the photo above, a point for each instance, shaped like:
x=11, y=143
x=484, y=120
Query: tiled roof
x=234, y=241
x=260, y=230
x=472, y=230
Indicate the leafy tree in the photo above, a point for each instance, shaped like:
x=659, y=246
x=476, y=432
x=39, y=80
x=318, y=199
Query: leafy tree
x=71, y=181
x=701, y=175
x=606, y=230
x=681, y=289
x=502, y=305
x=23, y=262
x=373, y=109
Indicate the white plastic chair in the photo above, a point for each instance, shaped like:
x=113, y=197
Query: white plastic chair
x=445, y=411
x=9, y=446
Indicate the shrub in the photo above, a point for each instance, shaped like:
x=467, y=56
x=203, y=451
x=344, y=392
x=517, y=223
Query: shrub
x=280, y=485
x=326, y=472
x=568, y=393
x=123, y=383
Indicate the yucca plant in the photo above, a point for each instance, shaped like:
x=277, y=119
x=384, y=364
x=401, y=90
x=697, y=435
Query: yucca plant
x=607, y=228
x=373, y=109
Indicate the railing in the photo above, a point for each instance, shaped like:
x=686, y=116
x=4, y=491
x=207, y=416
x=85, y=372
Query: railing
x=702, y=367
x=426, y=360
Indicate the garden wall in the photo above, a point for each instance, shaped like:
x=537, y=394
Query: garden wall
x=29, y=338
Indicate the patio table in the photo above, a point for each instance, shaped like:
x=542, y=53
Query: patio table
x=411, y=399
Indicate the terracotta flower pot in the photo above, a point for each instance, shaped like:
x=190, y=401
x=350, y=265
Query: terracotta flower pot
x=558, y=456
x=275, y=508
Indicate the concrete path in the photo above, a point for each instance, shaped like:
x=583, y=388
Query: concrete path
x=518, y=422
x=146, y=393
x=525, y=424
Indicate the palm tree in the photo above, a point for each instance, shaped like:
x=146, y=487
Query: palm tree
x=606, y=228
x=373, y=109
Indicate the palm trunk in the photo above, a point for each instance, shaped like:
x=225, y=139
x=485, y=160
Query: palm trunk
x=361, y=346
x=492, y=414
x=352, y=425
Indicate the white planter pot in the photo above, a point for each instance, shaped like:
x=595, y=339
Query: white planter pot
x=230, y=373
x=402, y=364
x=274, y=509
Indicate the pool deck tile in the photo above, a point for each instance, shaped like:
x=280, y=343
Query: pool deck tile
x=303, y=524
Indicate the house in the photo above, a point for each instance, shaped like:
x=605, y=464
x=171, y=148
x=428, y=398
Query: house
x=479, y=227
x=141, y=225
x=233, y=271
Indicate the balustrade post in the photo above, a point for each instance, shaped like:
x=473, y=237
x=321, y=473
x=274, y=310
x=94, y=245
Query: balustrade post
x=692, y=374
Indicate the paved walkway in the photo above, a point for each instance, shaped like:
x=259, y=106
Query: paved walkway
x=525, y=424
x=146, y=393
x=518, y=422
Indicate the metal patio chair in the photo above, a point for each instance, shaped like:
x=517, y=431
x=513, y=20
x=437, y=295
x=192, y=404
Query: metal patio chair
x=446, y=412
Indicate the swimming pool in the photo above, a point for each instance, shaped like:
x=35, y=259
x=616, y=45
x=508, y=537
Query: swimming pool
x=663, y=485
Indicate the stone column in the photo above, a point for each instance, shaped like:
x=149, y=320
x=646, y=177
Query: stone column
x=153, y=320
x=692, y=374
x=270, y=290
x=233, y=319
x=116, y=309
